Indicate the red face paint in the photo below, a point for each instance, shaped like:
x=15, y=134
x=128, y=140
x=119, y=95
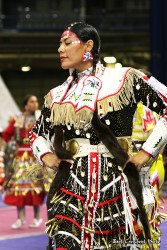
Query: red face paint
x=67, y=33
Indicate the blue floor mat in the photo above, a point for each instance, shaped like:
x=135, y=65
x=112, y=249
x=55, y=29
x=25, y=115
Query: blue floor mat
x=38, y=242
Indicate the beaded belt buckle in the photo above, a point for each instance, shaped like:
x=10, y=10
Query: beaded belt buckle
x=26, y=140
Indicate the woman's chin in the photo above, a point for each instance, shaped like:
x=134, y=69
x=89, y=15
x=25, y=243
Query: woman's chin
x=65, y=66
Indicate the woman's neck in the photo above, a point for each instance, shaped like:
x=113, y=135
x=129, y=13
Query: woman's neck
x=84, y=66
x=86, y=71
x=29, y=113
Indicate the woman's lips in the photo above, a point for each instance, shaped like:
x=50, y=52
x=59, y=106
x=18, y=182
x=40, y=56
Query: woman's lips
x=62, y=58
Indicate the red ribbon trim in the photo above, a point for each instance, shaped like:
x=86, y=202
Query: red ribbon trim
x=101, y=204
x=62, y=217
x=72, y=194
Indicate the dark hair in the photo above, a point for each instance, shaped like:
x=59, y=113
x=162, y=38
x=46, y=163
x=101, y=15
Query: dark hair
x=26, y=99
x=87, y=32
x=146, y=72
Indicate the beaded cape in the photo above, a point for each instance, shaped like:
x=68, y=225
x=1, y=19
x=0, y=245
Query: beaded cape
x=77, y=107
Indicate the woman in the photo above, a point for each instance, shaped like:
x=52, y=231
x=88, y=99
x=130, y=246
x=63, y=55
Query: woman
x=90, y=206
x=21, y=191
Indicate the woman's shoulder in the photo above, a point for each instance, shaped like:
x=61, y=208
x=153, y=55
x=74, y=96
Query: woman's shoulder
x=116, y=89
x=113, y=80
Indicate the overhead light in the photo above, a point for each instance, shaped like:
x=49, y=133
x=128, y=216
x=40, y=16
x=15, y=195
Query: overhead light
x=110, y=59
x=118, y=65
x=25, y=68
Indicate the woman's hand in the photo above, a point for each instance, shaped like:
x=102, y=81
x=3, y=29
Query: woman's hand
x=140, y=159
x=52, y=161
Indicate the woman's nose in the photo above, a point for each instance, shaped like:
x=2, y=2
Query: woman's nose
x=61, y=49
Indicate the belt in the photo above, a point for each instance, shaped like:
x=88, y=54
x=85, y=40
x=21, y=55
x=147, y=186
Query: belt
x=81, y=147
x=24, y=149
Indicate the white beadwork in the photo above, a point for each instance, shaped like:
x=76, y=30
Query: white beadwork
x=87, y=135
x=137, y=86
x=108, y=122
x=155, y=104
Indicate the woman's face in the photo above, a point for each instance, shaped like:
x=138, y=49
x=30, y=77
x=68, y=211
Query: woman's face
x=32, y=104
x=71, y=52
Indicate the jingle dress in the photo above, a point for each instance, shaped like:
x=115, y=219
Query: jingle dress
x=22, y=190
x=93, y=209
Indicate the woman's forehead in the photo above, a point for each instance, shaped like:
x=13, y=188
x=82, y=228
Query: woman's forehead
x=68, y=33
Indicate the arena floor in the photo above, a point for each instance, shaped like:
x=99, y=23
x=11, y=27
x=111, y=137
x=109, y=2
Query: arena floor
x=35, y=239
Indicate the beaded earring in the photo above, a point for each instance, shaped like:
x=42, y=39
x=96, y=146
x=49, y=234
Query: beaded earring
x=87, y=56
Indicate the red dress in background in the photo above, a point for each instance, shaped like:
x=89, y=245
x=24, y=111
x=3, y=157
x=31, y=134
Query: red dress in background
x=22, y=190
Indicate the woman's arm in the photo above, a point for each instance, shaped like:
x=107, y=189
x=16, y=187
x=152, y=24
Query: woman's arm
x=41, y=136
x=9, y=131
x=152, y=94
x=41, y=139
